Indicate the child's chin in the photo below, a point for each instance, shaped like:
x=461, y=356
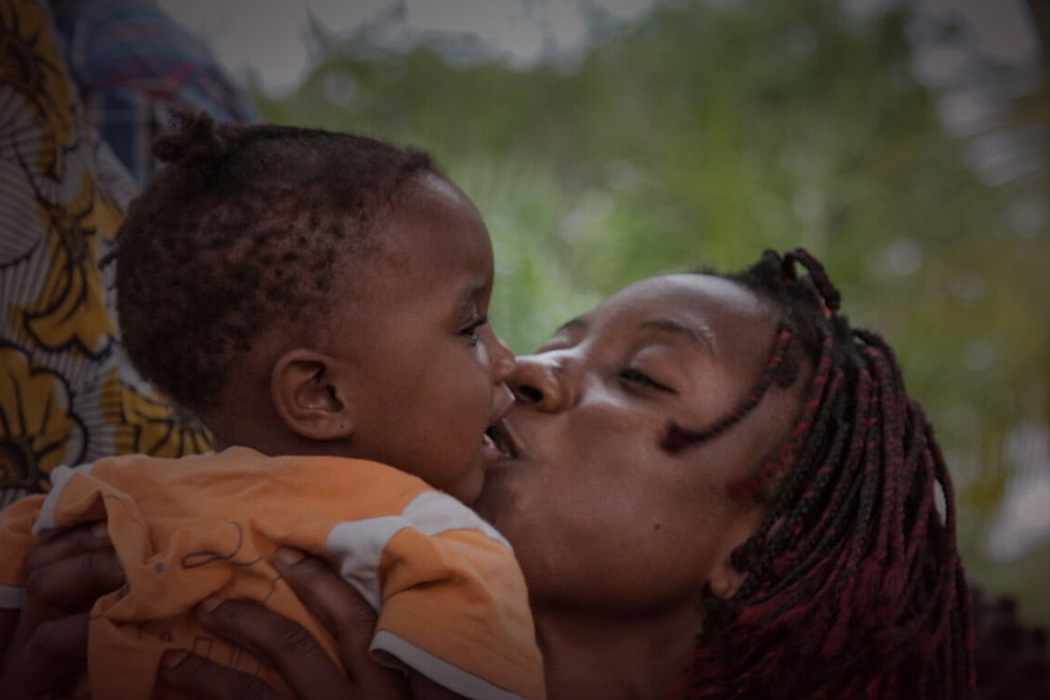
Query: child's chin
x=468, y=489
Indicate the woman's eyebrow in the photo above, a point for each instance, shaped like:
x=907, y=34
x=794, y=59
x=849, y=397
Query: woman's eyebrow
x=697, y=337
x=571, y=323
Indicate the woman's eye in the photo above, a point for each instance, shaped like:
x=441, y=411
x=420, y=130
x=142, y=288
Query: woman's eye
x=470, y=331
x=637, y=377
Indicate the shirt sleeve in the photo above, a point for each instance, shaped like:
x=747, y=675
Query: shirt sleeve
x=451, y=597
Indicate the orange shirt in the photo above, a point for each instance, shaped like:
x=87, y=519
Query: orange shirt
x=451, y=598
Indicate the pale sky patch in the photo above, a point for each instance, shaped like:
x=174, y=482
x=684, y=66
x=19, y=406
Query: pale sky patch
x=269, y=36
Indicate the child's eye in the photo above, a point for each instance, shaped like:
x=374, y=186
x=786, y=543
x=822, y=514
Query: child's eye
x=634, y=376
x=470, y=331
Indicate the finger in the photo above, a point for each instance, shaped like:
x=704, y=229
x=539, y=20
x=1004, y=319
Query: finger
x=63, y=587
x=197, y=677
x=346, y=614
x=280, y=643
x=73, y=583
x=51, y=658
x=339, y=607
x=78, y=540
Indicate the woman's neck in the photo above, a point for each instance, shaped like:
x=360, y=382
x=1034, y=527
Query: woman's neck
x=613, y=657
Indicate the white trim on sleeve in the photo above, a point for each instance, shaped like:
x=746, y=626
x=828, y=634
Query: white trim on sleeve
x=434, y=512
x=438, y=670
x=358, y=545
x=59, y=476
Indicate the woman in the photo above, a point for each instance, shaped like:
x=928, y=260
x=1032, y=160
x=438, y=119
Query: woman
x=718, y=489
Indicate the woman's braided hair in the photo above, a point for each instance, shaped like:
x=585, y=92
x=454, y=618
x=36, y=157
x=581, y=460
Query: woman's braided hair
x=854, y=585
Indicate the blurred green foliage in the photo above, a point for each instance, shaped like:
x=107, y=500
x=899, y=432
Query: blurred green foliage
x=706, y=132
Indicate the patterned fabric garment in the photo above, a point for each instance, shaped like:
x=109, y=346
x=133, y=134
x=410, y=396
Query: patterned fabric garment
x=132, y=64
x=67, y=393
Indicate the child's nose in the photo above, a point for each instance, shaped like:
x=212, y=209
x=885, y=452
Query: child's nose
x=501, y=358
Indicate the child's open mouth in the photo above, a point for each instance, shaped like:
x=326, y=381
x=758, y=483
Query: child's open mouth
x=498, y=442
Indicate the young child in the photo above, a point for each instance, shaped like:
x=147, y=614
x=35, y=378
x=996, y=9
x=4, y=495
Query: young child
x=320, y=300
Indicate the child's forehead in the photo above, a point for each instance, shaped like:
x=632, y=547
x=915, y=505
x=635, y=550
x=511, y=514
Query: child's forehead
x=435, y=234
x=435, y=217
x=432, y=192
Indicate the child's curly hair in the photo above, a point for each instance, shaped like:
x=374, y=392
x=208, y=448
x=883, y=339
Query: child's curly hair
x=246, y=227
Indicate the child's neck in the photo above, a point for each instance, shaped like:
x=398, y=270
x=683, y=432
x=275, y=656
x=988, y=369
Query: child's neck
x=256, y=426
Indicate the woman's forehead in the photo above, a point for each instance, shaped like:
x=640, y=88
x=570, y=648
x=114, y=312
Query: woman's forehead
x=720, y=316
x=686, y=294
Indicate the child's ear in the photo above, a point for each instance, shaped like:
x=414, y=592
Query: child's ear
x=307, y=397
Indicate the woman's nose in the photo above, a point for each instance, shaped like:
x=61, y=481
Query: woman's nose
x=541, y=381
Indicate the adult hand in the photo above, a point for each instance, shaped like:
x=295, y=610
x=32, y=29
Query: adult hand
x=45, y=644
x=287, y=647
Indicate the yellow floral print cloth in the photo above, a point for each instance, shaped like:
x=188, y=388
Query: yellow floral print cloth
x=67, y=393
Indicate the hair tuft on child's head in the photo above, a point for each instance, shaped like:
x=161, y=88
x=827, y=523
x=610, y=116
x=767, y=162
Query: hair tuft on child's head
x=196, y=141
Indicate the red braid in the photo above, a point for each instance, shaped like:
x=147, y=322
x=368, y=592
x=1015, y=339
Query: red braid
x=854, y=584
